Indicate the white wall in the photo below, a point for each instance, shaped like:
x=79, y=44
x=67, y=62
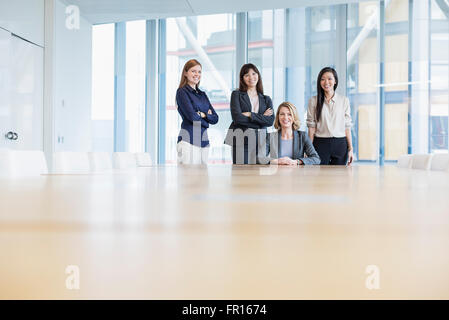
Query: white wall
x=24, y=18
x=68, y=68
x=72, y=86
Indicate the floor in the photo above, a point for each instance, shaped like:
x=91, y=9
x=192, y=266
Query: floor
x=227, y=232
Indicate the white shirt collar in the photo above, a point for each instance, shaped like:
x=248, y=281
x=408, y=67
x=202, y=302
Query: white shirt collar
x=333, y=99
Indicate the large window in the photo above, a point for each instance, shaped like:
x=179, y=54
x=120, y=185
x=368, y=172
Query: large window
x=211, y=40
x=103, y=88
x=320, y=43
x=414, y=82
x=396, y=78
x=260, y=46
x=135, y=86
x=439, y=77
x=395, y=73
x=362, y=77
x=310, y=45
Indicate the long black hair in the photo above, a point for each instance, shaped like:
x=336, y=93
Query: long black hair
x=320, y=91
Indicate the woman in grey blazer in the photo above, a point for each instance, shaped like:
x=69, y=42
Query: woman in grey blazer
x=252, y=113
x=288, y=145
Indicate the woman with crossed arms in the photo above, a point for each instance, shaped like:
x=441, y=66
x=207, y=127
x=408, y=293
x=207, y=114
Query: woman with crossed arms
x=195, y=109
x=250, y=110
x=329, y=121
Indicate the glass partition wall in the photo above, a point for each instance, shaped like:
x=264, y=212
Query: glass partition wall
x=395, y=72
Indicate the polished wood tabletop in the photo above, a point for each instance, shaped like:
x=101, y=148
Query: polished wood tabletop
x=227, y=232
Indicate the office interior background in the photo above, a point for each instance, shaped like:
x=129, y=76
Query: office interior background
x=109, y=83
x=80, y=79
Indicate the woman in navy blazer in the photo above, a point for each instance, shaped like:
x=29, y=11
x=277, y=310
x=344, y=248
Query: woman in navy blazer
x=251, y=112
x=197, y=114
x=288, y=145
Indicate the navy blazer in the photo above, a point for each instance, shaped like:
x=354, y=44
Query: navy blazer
x=189, y=102
x=301, y=145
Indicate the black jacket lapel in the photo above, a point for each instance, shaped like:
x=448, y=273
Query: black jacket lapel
x=262, y=105
x=247, y=102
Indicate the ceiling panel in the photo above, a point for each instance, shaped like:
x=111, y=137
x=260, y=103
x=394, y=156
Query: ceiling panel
x=106, y=11
x=211, y=6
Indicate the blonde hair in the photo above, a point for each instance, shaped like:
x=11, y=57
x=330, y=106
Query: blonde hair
x=293, y=111
x=189, y=64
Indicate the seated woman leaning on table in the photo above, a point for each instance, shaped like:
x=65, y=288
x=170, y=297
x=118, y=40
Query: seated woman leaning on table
x=288, y=145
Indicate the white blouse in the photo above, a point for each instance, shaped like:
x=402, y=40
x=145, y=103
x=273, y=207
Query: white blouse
x=335, y=117
x=254, y=103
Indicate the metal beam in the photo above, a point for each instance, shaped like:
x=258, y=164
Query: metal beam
x=279, y=56
x=151, y=89
x=341, y=47
x=381, y=90
x=120, y=87
x=241, y=45
x=162, y=69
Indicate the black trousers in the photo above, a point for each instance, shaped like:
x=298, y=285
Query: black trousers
x=332, y=151
x=250, y=153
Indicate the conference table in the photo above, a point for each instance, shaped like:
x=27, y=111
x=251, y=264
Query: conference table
x=226, y=232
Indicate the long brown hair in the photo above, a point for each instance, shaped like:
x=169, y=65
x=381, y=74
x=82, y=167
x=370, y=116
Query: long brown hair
x=320, y=91
x=244, y=70
x=189, y=64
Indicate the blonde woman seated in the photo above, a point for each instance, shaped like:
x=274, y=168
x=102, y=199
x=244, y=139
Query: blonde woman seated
x=288, y=145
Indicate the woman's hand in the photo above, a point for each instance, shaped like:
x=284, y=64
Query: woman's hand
x=287, y=161
x=209, y=111
x=268, y=112
x=247, y=114
x=201, y=114
x=350, y=157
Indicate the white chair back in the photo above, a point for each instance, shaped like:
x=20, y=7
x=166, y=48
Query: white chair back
x=70, y=162
x=440, y=162
x=405, y=161
x=99, y=161
x=21, y=163
x=124, y=160
x=143, y=159
x=421, y=161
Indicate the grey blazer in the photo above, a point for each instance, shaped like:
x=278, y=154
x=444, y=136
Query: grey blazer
x=301, y=145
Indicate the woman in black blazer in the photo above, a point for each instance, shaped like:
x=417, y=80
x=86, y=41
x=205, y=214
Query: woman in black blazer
x=252, y=113
x=288, y=145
